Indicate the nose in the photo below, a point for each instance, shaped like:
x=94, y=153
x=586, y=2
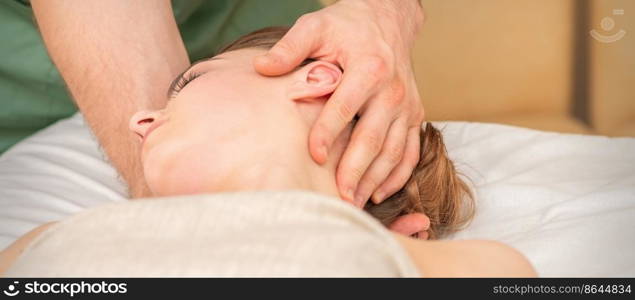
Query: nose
x=141, y=121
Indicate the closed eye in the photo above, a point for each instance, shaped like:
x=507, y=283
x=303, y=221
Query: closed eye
x=180, y=82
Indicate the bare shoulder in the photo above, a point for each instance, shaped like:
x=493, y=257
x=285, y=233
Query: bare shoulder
x=11, y=253
x=493, y=259
x=468, y=258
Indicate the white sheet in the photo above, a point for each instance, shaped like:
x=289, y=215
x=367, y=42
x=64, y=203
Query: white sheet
x=566, y=201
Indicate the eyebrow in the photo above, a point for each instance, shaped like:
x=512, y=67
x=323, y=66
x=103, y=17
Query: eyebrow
x=172, y=89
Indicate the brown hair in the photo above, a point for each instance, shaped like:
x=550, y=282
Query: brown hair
x=435, y=188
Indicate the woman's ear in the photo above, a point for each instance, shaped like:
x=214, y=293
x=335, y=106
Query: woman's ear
x=315, y=80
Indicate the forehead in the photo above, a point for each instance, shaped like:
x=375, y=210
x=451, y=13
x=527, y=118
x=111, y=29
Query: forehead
x=231, y=70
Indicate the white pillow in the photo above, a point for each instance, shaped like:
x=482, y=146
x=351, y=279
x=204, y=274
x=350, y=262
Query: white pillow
x=54, y=173
x=566, y=201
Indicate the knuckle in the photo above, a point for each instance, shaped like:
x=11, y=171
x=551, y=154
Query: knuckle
x=370, y=183
x=352, y=174
x=356, y=173
x=397, y=94
x=310, y=21
x=414, y=115
x=373, y=142
x=420, y=115
x=418, y=111
x=376, y=67
x=284, y=47
x=394, y=154
x=413, y=159
x=345, y=112
x=302, y=19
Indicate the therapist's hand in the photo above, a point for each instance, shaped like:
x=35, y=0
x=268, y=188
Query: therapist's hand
x=414, y=225
x=371, y=40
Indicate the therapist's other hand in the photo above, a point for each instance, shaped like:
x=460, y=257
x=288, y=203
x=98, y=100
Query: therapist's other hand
x=415, y=225
x=371, y=40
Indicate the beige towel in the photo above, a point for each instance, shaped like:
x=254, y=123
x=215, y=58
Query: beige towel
x=252, y=234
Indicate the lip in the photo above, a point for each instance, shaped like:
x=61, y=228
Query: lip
x=152, y=127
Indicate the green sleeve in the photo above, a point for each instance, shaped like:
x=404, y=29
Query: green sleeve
x=32, y=93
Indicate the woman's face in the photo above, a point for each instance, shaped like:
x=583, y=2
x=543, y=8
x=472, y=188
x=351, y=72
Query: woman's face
x=229, y=122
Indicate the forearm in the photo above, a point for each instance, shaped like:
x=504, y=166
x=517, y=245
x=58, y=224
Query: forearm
x=116, y=57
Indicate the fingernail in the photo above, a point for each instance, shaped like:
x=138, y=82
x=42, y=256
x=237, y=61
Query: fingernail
x=266, y=58
x=359, y=200
x=274, y=59
x=378, y=197
x=324, y=152
x=350, y=195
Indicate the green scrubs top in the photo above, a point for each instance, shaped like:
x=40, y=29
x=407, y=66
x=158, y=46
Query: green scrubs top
x=32, y=93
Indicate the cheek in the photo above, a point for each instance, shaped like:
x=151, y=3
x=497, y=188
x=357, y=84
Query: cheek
x=192, y=162
x=173, y=165
x=175, y=169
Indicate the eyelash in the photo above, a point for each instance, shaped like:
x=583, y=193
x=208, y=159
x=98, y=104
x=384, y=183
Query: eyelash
x=182, y=82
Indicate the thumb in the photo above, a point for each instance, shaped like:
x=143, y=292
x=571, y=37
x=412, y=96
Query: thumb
x=288, y=53
x=410, y=224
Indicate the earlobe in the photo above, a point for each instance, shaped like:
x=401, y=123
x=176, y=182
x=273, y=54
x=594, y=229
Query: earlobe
x=315, y=80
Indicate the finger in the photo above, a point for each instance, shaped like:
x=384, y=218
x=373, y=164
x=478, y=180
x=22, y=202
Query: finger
x=423, y=235
x=365, y=144
x=402, y=172
x=410, y=224
x=390, y=155
x=356, y=88
x=290, y=51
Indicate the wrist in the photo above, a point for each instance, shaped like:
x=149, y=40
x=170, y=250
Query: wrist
x=410, y=11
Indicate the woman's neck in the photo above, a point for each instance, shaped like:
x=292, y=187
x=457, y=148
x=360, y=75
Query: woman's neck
x=273, y=175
